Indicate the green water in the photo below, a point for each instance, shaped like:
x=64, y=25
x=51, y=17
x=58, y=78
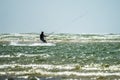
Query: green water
x=63, y=53
x=104, y=56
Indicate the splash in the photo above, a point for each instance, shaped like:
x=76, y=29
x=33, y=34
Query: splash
x=31, y=44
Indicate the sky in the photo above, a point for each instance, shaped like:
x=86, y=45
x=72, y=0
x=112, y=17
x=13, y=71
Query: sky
x=60, y=16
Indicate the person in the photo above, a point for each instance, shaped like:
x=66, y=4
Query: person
x=42, y=37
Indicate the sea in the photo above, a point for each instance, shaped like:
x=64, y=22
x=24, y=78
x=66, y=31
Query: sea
x=72, y=57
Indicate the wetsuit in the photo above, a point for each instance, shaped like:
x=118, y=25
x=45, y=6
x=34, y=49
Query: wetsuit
x=42, y=37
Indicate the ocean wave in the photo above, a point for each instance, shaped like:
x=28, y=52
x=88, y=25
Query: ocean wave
x=68, y=71
x=62, y=37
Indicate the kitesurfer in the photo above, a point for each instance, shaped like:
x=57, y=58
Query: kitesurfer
x=42, y=37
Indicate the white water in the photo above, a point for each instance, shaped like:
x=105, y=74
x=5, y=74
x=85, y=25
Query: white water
x=68, y=70
x=64, y=37
x=31, y=44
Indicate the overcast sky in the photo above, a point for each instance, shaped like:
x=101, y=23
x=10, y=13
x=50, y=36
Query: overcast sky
x=60, y=16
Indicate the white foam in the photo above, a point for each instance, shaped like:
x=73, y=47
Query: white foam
x=42, y=44
x=65, y=73
x=62, y=67
x=32, y=44
x=38, y=68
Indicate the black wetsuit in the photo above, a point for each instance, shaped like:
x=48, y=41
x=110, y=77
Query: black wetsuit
x=42, y=37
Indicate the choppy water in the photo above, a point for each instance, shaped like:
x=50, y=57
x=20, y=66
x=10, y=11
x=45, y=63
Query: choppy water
x=67, y=60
